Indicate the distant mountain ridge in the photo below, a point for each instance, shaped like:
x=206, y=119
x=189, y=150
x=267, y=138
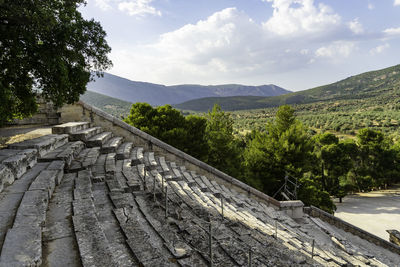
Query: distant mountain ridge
x=156, y=94
x=365, y=85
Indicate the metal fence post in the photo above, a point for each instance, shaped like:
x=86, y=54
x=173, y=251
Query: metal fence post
x=222, y=206
x=250, y=257
x=210, y=242
x=166, y=202
x=312, y=252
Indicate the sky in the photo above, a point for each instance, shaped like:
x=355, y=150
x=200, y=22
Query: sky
x=295, y=44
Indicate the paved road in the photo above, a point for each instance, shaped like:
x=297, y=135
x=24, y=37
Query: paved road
x=374, y=212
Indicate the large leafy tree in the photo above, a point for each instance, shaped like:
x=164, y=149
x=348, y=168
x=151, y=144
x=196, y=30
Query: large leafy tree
x=335, y=162
x=284, y=148
x=224, y=153
x=376, y=159
x=47, y=48
x=170, y=126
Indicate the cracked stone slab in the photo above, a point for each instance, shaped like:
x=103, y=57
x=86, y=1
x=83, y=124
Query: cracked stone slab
x=111, y=145
x=56, y=231
x=46, y=181
x=18, y=164
x=99, y=139
x=22, y=247
x=6, y=176
x=122, y=200
x=57, y=165
x=93, y=245
x=124, y=151
x=84, y=206
x=32, y=210
x=61, y=252
x=43, y=144
x=85, y=135
x=69, y=127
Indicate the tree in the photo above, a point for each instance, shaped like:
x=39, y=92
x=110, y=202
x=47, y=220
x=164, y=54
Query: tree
x=334, y=163
x=223, y=152
x=377, y=159
x=46, y=48
x=285, y=147
x=170, y=126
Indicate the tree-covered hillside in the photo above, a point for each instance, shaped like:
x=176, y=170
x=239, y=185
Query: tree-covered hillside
x=116, y=107
x=366, y=85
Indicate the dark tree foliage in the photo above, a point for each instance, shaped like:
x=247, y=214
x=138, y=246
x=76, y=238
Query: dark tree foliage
x=47, y=48
x=224, y=153
x=285, y=147
x=170, y=126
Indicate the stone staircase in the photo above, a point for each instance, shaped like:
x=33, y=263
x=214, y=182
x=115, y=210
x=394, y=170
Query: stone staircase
x=83, y=197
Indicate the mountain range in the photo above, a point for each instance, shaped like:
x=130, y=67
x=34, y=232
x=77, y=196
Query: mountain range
x=157, y=94
x=366, y=85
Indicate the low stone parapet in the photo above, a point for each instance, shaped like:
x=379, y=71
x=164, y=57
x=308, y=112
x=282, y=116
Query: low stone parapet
x=293, y=209
x=339, y=223
x=394, y=236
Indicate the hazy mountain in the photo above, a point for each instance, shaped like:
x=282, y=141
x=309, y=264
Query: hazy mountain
x=365, y=85
x=156, y=94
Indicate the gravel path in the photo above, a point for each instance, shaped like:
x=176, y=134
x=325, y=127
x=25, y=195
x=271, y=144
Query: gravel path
x=13, y=134
x=374, y=212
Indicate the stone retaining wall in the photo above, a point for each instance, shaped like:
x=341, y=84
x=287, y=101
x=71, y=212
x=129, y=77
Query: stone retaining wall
x=339, y=223
x=46, y=115
x=84, y=112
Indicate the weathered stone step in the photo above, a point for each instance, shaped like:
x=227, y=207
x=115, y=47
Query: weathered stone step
x=149, y=159
x=137, y=155
x=98, y=169
x=124, y=151
x=99, y=139
x=163, y=164
x=93, y=245
x=58, y=239
x=22, y=247
x=69, y=127
x=65, y=153
x=120, y=250
x=43, y=144
x=131, y=175
x=111, y=145
x=14, y=163
x=147, y=246
x=11, y=197
x=110, y=166
x=85, y=135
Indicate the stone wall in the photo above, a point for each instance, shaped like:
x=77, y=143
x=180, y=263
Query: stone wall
x=46, y=115
x=339, y=223
x=84, y=112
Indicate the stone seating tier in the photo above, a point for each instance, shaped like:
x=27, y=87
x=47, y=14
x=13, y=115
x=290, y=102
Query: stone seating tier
x=96, y=200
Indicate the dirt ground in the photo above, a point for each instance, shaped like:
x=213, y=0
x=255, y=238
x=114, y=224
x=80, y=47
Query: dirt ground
x=13, y=134
x=374, y=212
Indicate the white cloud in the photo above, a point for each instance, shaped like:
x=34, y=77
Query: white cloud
x=229, y=44
x=103, y=4
x=336, y=49
x=396, y=3
x=392, y=31
x=379, y=49
x=298, y=17
x=138, y=8
x=356, y=27
x=371, y=6
x=131, y=7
